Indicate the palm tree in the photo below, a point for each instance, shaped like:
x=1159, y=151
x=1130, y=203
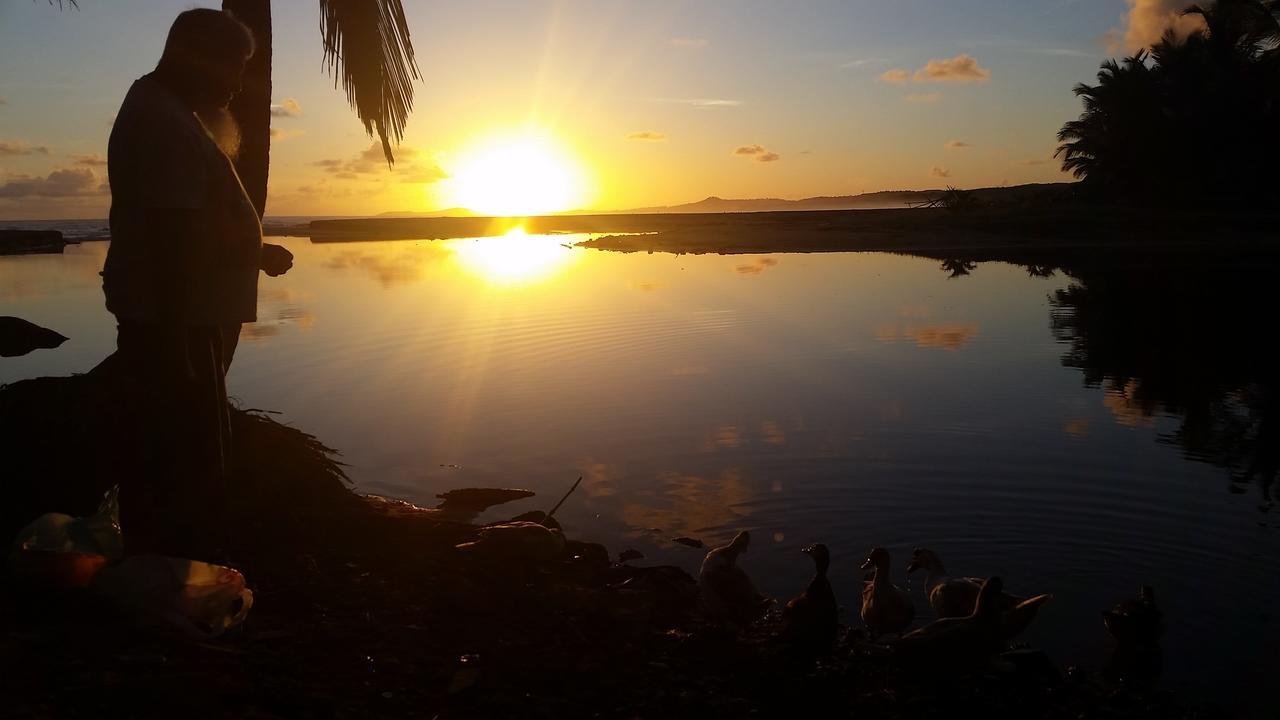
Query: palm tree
x=367, y=49
x=1192, y=119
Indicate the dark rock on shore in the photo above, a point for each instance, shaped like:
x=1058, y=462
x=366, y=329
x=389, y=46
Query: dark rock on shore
x=19, y=337
x=22, y=242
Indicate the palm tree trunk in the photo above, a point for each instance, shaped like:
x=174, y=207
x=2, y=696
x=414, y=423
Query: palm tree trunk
x=252, y=106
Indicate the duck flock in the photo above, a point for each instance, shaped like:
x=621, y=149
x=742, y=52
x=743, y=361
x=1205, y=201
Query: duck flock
x=975, y=617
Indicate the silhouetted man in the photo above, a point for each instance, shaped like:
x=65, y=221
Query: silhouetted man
x=181, y=275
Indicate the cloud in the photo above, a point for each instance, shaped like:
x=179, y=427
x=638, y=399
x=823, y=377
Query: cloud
x=647, y=135
x=922, y=98
x=67, y=182
x=962, y=68
x=701, y=103
x=957, y=144
x=90, y=160
x=278, y=135
x=758, y=152
x=18, y=147
x=286, y=109
x=688, y=42
x=411, y=165
x=1147, y=21
x=896, y=76
x=939, y=172
x=4, y=100
x=864, y=61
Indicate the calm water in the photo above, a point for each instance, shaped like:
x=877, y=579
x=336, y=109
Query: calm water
x=1077, y=436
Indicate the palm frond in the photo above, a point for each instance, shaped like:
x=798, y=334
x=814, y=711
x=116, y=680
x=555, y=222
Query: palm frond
x=73, y=3
x=368, y=51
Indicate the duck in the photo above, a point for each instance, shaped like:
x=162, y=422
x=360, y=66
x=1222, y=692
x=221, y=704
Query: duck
x=1015, y=620
x=728, y=595
x=810, y=619
x=951, y=596
x=1137, y=626
x=956, y=643
x=885, y=607
x=1136, y=620
x=529, y=542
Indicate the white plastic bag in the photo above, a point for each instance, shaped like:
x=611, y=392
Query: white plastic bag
x=64, y=551
x=201, y=599
x=98, y=534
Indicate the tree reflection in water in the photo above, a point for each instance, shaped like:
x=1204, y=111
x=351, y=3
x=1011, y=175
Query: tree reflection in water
x=1188, y=335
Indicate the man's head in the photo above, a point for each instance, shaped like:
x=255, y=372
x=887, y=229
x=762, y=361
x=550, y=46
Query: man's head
x=207, y=50
x=203, y=62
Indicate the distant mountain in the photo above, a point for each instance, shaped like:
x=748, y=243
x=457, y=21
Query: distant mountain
x=864, y=201
x=447, y=212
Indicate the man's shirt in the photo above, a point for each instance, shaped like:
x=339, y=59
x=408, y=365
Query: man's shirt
x=161, y=158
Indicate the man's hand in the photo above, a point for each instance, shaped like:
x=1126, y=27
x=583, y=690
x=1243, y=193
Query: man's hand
x=276, y=260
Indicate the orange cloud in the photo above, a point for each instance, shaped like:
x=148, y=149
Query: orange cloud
x=287, y=108
x=962, y=68
x=68, y=182
x=20, y=148
x=410, y=165
x=896, y=76
x=957, y=145
x=939, y=172
x=647, y=136
x=92, y=160
x=1147, y=21
x=758, y=152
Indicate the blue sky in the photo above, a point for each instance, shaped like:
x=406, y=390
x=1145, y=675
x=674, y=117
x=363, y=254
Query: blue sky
x=799, y=79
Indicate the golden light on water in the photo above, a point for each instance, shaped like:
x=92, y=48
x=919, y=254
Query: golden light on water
x=515, y=258
x=518, y=175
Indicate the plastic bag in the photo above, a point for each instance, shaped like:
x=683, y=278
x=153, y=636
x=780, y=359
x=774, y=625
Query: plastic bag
x=64, y=551
x=201, y=599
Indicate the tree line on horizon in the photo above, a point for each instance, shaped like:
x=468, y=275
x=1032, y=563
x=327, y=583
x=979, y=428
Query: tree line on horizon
x=1194, y=119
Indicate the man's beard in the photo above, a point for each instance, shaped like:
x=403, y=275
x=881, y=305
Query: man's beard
x=222, y=128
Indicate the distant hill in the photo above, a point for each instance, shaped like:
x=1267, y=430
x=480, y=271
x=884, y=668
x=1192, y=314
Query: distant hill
x=883, y=199
x=447, y=212
x=865, y=201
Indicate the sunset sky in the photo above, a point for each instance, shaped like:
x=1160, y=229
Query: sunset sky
x=634, y=103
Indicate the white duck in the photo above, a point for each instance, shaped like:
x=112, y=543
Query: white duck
x=728, y=595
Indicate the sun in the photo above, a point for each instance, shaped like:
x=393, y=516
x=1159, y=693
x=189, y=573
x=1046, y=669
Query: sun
x=518, y=175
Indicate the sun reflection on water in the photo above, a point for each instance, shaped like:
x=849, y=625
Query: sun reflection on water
x=516, y=258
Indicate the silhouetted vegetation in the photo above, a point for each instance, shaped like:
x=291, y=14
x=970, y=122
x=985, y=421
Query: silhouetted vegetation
x=1191, y=120
x=1188, y=339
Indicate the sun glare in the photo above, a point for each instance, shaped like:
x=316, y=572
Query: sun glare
x=515, y=258
x=518, y=176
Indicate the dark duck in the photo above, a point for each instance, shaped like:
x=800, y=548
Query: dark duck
x=810, y=619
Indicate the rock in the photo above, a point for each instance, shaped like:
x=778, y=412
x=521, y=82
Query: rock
x=537, y=516
x=478, y=499
x=688, y=542
x=21, y=242
x=630, y=554
x=19, y=337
